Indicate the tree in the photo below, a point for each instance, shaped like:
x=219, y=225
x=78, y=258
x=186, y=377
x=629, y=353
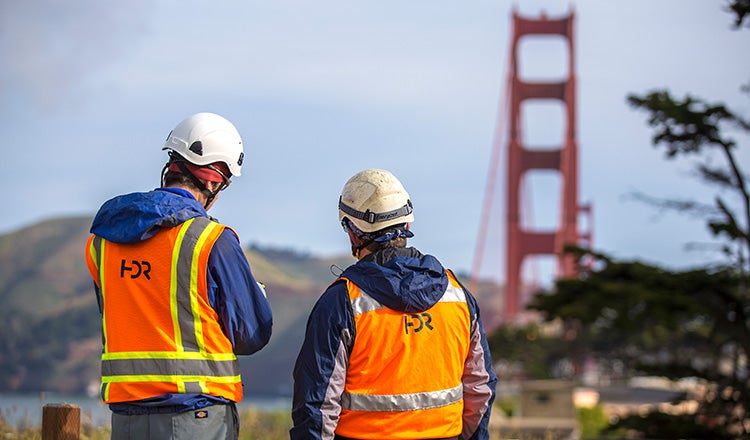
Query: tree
x=528, y=351
x=678, y=324
x=692, y=127
x=653, y=321
x=741, y=8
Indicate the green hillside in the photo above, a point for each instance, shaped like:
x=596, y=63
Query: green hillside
x=51, y=324
x=51, y=339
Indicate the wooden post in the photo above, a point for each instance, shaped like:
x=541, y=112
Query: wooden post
x=61, y=421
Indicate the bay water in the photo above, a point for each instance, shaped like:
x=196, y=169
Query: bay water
x=26, y=409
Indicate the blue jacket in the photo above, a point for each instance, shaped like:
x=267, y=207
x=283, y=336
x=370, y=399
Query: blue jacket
x=404, y=280
x=239, y=300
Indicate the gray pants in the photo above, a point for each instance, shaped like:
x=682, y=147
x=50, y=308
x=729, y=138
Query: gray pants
x=216, y=422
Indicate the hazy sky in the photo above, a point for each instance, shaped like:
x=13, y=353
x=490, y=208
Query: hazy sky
x=320, y=90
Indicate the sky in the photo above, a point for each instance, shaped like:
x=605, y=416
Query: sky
x=320, y=90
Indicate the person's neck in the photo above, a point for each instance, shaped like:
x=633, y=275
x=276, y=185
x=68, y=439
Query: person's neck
x=199, y=196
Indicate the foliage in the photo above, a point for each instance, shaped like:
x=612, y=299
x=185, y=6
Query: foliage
x=254, y=424
x=662, y=323
x=26, y=430
x=527, y=351
x=51, y=337
x=280, y=254
x=271, y=425
x=289, y=268
x=506, y=404
x=677, y=324
x=592, y=421
x=691, y=127
x=660, y=425
x=741, y=8
x=49, y=312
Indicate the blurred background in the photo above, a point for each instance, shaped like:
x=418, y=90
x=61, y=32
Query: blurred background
x=319, y=91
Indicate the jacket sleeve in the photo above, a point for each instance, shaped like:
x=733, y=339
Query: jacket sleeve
x=320, y=370
x=479, y=380
x=239, y=300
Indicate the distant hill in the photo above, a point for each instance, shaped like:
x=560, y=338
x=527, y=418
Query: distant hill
x=51, y=324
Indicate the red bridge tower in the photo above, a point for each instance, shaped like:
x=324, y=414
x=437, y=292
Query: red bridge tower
x=521, y=241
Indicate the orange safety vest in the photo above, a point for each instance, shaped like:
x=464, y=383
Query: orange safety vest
x=160, y=334
x=404, y=373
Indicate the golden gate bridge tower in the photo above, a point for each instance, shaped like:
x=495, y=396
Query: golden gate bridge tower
x=522, y=240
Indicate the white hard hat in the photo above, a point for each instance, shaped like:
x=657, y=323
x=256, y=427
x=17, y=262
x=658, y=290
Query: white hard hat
x=205, y=138
x=373, y=200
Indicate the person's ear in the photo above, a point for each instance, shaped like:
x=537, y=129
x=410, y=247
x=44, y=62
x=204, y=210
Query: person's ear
x=213, y=186
x=352, y=237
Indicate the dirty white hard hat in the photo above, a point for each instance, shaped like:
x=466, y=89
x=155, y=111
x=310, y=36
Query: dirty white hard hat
x=375, y=199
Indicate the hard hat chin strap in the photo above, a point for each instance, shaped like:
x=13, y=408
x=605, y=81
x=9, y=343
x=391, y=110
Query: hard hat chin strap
x=210, y=195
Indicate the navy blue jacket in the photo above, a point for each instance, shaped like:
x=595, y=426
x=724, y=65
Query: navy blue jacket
x=402, y=279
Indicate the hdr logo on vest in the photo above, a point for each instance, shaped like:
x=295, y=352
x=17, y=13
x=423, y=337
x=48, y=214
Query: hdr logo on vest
x=136, y=269
x=419, y=322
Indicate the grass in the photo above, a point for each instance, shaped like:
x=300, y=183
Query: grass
x=254, y=424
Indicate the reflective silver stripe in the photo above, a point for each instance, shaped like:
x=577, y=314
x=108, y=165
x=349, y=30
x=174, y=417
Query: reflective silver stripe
x=453, y=294
x=104, y=390
x=185, y=313
x=401, y=402
x=476, y=378
x=97, y=245
x=330, y=408
x=172, y=367
x=365, y=303
x=193, y=387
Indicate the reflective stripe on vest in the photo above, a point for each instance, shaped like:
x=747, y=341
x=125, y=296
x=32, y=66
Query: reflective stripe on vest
x=185, y=359
x=183, y=290
x=365, y=303
x=401, y=402
x=404, y=373
x=149, y=365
